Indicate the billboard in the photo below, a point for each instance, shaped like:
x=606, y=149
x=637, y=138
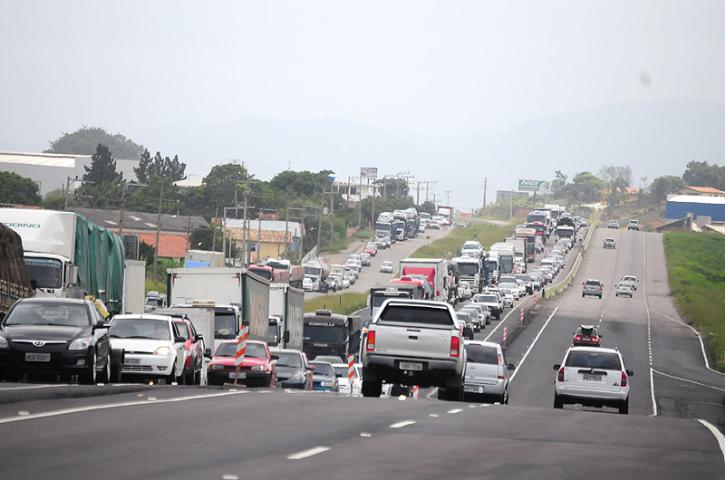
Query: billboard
x=368, y=173
x=539, y=186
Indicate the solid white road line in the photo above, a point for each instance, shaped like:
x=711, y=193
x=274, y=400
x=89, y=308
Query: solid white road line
x=649, y=331
x=699, y=337
x=402, y=424
x=689, y=381
x=32, y=387
x=107, y=406
x=308, y=453
x=531, y=347
x=652, y=392
x=455, y=410
x=717, y=434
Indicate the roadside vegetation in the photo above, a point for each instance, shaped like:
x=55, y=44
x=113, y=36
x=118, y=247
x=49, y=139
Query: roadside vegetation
x=343, y=303
x=696, y=267
x=450, y=245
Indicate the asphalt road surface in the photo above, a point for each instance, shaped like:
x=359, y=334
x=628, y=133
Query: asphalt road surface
x=196, y=432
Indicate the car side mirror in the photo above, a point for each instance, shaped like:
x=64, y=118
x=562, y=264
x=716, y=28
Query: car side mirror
x=557, y=366
x=286, y=336
x=207, y=353
x=199, y=337
x=275, y=357
x=511, y=366
x=179, y=340
x=630, y=373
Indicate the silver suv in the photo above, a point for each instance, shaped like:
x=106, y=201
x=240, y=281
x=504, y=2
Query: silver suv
x=593, y=288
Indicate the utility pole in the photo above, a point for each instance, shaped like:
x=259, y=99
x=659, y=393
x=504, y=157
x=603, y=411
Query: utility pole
x=372, y=216
x=417, y=193
x=485, y=185
x=259, y=235
x=245, y=229
x=213, y=229
x=448, y=197
x=158, y=231
x=385, y=187
x=319, y=223
x=359, y=204
x=511, y=208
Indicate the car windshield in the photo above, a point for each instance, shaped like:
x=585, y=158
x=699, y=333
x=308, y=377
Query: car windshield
x=44, y=272
x=486, y=299
x=590, y=359
x=340, y=371
x=225, y=325
x=471, y=245
x=140, y=328
x=323, y=369
x=414, y=314
x=468, y=268
x=288, y=359
x=229, y=349
x=47, y=313
x=481, y=354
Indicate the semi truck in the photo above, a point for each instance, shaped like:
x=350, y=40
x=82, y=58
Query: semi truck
x=378, y=295
x=385, y=233
x=434, y=269
x=529, y=234
x=327, y=333
x=68, y=256
x=447, y=212
x=317, y=273
x=506, y=257
x=520, y=248
x=223, y=287
x=286, y=310
x=14, y=283
x=470, y=269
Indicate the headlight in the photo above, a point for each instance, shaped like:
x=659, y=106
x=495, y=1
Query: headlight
x=163, y=351
x=257, y=368
x=298, y=377
x=80, y=343
x=217, y=367
x=4, y=343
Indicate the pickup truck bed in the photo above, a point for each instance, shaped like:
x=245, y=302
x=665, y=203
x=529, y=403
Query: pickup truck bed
x=413, y=342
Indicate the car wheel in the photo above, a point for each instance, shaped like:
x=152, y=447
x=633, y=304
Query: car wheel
x=89, y=378
x=624, y=407
x=558, y=402
x=171, y=378
x=600, y=296
x=189, y=377
x=372, y=388
x=106, y=374
x=583, y=295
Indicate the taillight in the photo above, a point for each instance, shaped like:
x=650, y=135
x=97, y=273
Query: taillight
x=560, y=375
x=370, y=345
x=594, y=339
x=455, y=346
x=623, y=383
x=578, y=337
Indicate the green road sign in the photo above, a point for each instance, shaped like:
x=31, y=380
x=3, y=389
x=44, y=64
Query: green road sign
x=533, y=185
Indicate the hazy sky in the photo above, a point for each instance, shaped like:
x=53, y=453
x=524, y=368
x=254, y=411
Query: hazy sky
x=437, y=67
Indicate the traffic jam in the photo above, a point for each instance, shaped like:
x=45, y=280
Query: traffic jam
x=425, y=328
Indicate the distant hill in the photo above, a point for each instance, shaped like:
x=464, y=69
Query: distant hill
x=655, y=138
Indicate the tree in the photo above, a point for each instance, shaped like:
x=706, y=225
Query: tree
x=702, y=174
x=223, y=185
x=618, y=178
x=662, y=186
x=102, y=183
x=84, y=141
x=54, y=200
x=557, y=186
x=18, y=190
x=585, y=187
x=170, y=169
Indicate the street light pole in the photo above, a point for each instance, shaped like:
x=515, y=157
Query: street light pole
x=158, y=231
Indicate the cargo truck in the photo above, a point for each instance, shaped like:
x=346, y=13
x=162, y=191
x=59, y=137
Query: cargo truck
x=529, y=234
x=434, y=269
x=68, y=256
x=14, y=283
x=286, y=321
x=134, y=286
x=470, y=269
x=506, y=257
x=223, y=287
x=520, y=248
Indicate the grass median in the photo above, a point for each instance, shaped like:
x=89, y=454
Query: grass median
x=450, y=245
x=696, y=268
x=343, y=303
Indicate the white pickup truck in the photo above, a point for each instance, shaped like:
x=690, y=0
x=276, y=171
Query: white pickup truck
x=414, y=342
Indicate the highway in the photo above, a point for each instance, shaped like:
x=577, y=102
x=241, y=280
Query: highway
x=197, y=432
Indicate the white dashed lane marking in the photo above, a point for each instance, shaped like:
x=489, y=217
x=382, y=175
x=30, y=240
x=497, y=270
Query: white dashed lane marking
x=308, y=453
x=402, y=424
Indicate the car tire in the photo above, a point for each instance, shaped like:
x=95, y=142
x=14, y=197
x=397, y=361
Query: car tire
x=190, y=377
x=89, y=378
x=583, y=295
x=624, y=407
x=106, y=375
x=171, y=378
x=558, y=401
x=600, y=296
x=372, y=388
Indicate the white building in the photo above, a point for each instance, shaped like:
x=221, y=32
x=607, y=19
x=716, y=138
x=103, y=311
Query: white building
x=352, y=189
x=51, y=170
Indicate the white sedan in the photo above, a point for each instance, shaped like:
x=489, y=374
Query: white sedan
x=386, y=267
x=343, y=380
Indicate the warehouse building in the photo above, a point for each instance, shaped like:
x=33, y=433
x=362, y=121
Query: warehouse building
x=679, y=206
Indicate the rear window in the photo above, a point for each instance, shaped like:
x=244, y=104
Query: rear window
x=412, y=314
x=593, y=283
x=482, y=354
x=587, y=359
x=486, y=299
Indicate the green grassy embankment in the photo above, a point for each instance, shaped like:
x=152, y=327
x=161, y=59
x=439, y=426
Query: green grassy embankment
x=450, y=245
x=696, y=267
x=343, y=303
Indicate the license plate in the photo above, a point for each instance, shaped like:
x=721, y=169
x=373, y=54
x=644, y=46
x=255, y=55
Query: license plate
x=413, y=366
x=592, y=378
x=472, y=389
x=132, y=361
x=240, y=376
x=37, y=357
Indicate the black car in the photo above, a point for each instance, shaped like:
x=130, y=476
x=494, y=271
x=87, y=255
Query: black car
x=55, y=336
x=292, y=369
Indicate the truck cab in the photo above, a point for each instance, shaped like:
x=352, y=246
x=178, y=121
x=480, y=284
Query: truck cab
x=327, y=333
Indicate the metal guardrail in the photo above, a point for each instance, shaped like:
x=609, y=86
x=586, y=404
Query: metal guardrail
x=566, y=281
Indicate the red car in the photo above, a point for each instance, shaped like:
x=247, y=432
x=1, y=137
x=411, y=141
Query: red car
x=193, y=349
x=371, y=249
x=587, y=336
x=258, y=367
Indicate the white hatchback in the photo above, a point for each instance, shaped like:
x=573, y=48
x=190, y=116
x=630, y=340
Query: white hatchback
x=486, y=371
x=592, y=376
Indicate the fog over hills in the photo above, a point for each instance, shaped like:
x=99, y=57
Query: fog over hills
x=655, y=138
